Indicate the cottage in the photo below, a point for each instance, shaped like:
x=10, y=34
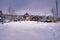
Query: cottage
x=26, y=17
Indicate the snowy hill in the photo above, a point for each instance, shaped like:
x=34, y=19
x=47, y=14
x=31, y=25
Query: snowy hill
x=30, y=30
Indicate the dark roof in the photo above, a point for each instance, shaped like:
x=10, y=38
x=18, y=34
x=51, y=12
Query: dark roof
x=26, y=13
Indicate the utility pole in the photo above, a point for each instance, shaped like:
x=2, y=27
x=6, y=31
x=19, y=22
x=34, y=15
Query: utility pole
x=57, y=10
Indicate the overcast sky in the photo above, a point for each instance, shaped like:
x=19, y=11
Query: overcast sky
x=37, y=7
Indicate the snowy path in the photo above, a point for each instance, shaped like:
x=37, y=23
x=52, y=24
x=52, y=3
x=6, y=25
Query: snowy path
x=29, y=31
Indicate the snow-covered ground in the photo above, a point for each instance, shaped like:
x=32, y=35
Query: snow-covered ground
x=30, y=30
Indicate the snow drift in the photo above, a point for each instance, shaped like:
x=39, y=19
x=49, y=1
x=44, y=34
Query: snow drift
x=30, y=30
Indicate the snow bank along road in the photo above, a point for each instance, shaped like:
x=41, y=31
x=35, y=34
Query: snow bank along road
x=27, y=30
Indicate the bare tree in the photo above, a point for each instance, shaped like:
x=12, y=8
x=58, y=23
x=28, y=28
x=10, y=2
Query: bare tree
x=53, y=12
x=11, y=11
